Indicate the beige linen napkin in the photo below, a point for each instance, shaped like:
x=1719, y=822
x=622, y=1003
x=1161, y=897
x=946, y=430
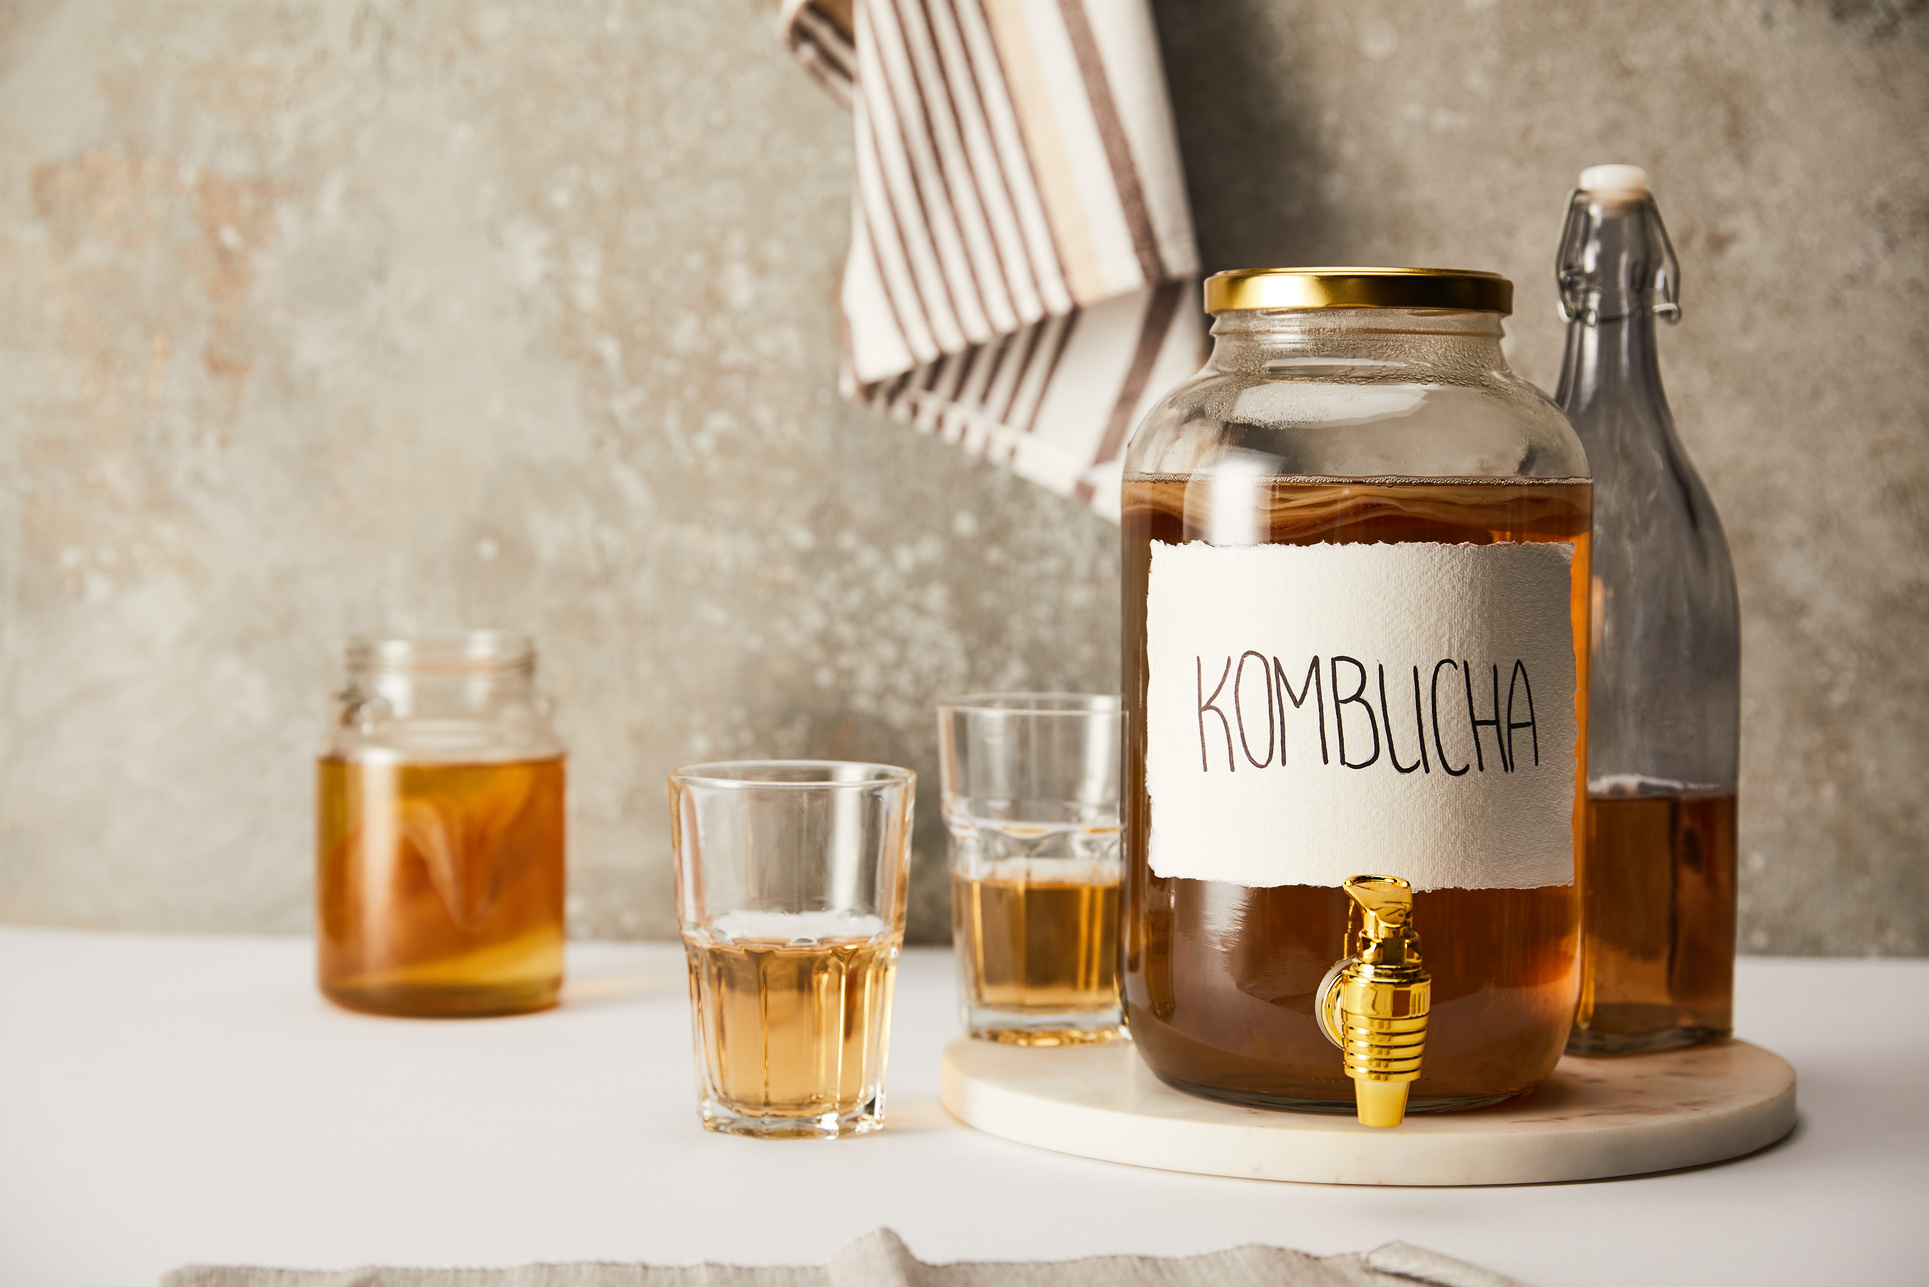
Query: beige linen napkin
x=880, y=1259
x=1021, y=272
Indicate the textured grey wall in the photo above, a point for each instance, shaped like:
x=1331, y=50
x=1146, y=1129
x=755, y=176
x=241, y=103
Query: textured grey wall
x=327, y=317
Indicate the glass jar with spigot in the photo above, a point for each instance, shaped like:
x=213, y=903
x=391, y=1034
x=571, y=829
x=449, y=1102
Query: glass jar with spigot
x=1356, y=597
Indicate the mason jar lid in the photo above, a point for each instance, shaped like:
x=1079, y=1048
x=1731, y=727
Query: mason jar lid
x=1243, y=289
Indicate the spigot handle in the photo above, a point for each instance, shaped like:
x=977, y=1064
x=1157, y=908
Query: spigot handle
x=1373, y=1004
x=1387, y=899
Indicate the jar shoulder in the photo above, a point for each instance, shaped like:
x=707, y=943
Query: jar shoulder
x=1413, y=423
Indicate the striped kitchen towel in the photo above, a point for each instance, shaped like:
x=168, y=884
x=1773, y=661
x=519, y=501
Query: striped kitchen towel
x=1021, y=279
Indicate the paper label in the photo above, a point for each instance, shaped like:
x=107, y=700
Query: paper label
x=1317, y=712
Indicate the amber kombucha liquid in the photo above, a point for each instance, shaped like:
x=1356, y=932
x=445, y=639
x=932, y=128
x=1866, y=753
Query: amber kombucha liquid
x=1658, y=929
x=1039, y=948
x=440, y=886
x=1219, y=979
x=794, y=1033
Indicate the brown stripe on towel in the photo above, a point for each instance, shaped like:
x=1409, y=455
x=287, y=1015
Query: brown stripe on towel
x=1045, y=150
x=965, y=368
x=981, y=401
x=914, y=234
x=1111, y=131
x=1159, y=312
x=946, y=47
x=958, y=413
x=819, y=37
x=1015, y=168
x=882, y=217
x=1070, y=324
x=923, y=155
x=930, y=395
x=863, y=232
x=1024, y=368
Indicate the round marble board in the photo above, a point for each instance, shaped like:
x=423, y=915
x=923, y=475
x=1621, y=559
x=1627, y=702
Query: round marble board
x=1592, y=1119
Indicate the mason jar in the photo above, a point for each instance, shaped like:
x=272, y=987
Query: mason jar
x=440, y=829
x=1355, y=610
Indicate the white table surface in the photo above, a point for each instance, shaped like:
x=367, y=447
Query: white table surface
x=174, y=1099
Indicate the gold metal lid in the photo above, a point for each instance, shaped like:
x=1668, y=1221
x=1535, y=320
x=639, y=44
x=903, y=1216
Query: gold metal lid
x=1252, y=288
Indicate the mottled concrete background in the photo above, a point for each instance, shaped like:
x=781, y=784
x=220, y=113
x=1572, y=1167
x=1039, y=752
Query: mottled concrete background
x=316, y=318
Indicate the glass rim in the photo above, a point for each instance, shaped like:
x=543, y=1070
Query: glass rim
x=757, y=773
x=1039, y=703
x=441, y=651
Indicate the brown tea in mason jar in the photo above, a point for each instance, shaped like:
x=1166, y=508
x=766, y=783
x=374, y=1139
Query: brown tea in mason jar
x=439, y=884
x=1355, y=623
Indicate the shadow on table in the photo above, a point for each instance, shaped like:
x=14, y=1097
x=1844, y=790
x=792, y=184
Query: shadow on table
x=916, y=1117
x=611, y=989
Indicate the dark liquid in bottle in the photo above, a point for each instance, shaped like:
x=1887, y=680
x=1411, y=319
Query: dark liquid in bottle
x=1658, y=931
x=1219, y=979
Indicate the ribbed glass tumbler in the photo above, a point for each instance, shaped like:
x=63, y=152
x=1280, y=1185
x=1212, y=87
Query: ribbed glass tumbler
x=1031, y=798
x=791, y=878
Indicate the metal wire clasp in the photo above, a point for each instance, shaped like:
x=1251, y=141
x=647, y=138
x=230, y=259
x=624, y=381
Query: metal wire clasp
x=1373, y=1004
x=1589, y=279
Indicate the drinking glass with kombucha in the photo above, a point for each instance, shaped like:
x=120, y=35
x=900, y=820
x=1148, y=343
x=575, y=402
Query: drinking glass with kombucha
x=1031, y=799
x=791, y=879
x=440, y=831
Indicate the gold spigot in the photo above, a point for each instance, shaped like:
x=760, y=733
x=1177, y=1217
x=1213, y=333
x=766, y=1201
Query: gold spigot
x=1373, y=1005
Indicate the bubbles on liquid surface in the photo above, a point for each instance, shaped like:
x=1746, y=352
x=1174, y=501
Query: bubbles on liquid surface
x=795, y=929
